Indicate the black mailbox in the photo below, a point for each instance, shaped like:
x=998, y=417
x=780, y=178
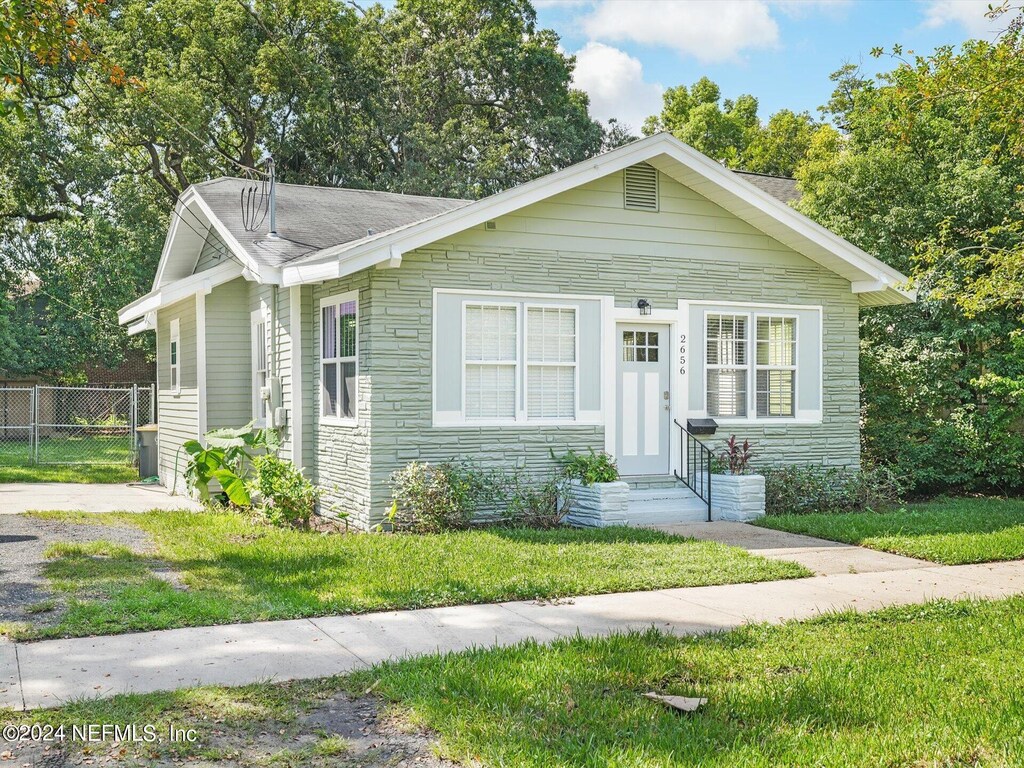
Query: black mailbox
x=701, y=426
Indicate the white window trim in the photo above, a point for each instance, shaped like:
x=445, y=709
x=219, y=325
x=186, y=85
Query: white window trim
x=337, y=421
x=795, y=368
x=520, y=302
x=516, y=364
x=527, y=306
x=773, y=310
x=257, y=317
x=174, y=367
x=745, y=367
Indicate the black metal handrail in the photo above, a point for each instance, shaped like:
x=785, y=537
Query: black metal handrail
x=696, y=461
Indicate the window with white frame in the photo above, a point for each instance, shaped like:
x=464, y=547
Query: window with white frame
x=174, y=355
x=737, y=388
x=550, y=362
x=338, y=356
x=776, y=366
x=260, y=365
x=491, y=360
x=509, y=346
x=727, y=365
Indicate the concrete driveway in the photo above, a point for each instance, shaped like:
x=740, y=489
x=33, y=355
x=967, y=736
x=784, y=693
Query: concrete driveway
x=823, y=557
x=16, y=498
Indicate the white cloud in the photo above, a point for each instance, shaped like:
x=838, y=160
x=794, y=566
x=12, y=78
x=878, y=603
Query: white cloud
x=969, y=14
x=614, y=80
x=709, y=30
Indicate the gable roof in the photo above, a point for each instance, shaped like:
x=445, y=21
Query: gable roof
x=327, y=232
x=874, y=281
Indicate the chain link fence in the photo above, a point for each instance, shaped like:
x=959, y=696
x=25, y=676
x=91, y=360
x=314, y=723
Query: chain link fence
x=72, y=425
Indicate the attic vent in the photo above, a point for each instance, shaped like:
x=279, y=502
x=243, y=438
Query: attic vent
x=640, y=186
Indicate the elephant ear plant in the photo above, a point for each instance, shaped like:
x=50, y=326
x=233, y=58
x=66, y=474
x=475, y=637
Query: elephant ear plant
x=226, y=458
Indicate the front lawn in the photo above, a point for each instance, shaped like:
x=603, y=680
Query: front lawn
x=216, y=568
x=948, y=531
x=931, y=685
x=88, y=459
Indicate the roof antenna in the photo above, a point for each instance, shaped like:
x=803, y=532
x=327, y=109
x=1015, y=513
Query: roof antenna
x=259, y=197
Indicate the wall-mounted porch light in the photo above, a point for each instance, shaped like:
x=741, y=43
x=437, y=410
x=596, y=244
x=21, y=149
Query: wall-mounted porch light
x=644, y=306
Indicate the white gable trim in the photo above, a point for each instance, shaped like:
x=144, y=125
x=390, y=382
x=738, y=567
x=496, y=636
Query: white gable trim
x=670, y=156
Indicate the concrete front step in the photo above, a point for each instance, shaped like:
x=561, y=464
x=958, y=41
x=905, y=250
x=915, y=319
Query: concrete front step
x=661, y=503
x=650, y=482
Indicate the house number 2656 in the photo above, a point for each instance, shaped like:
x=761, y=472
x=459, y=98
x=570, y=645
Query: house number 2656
x=682, y=353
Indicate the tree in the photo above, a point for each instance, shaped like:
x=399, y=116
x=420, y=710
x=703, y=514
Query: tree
x=117, y=107
x=927, y=176
x=730, y=131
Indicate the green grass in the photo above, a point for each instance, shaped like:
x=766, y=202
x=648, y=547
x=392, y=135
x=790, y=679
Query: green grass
x=110, y=456
x=948, y=531
x=931, y=685
x=236, y=570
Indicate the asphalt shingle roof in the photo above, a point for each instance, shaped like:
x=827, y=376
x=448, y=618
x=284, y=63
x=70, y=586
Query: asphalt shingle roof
x=310, y=219
x=778, y=187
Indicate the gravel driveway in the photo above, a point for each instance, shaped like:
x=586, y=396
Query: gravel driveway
x=23, y=540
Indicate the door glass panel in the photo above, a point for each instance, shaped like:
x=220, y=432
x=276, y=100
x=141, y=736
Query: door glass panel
x=640, y=346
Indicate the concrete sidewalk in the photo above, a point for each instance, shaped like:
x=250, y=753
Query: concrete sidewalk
x=16, y=498
x=823, y=557
x=48, y=673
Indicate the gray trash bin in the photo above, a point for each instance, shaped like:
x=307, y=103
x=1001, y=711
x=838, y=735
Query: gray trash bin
x=146, y=437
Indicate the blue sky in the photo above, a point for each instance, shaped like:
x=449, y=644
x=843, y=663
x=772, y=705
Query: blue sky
x=781, y=51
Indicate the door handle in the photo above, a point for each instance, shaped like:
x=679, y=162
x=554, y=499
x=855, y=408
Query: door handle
x=665, y=397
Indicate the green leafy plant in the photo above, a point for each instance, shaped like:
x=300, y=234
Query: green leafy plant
x=736, y=458
x=806, y=489
x=588, y=468
x=287, y=497
x=226, y=459
x=427, y=498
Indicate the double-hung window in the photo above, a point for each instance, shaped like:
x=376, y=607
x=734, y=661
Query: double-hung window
x=492, y=360
x=260, y=365
x=519, y=362
x=550, y=362
x=175, y=356
x=339, y=319
x=727, y=365
x=736, y=387
x=776, y=366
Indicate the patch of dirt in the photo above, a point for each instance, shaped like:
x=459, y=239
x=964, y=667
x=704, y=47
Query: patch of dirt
x=372, y=739
x=24, y=591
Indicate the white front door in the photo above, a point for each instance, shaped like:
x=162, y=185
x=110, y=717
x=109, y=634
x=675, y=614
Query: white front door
x=644, y=409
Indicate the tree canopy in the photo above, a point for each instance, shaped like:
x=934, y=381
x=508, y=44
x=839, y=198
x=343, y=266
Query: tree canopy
x=111, y=109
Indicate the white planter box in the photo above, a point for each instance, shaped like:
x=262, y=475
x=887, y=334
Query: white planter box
x=597, y=505
x=738, y=498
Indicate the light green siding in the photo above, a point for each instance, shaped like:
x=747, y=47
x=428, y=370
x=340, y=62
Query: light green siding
x=228, y=356
x=581, y=242
x=341, y=454
x=214, y=252
x=178, y=412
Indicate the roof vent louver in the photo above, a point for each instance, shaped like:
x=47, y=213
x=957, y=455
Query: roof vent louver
x=640, y=187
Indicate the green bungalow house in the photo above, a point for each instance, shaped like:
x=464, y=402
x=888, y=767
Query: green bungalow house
x=602, y=306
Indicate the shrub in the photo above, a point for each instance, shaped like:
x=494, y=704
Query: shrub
x=534, y=506
x=427, y=498
x=805, y=489
x=286, y=496
x=588, y=468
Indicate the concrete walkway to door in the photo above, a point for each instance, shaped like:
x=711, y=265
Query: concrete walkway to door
x=823, y=557
x=49, y=673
